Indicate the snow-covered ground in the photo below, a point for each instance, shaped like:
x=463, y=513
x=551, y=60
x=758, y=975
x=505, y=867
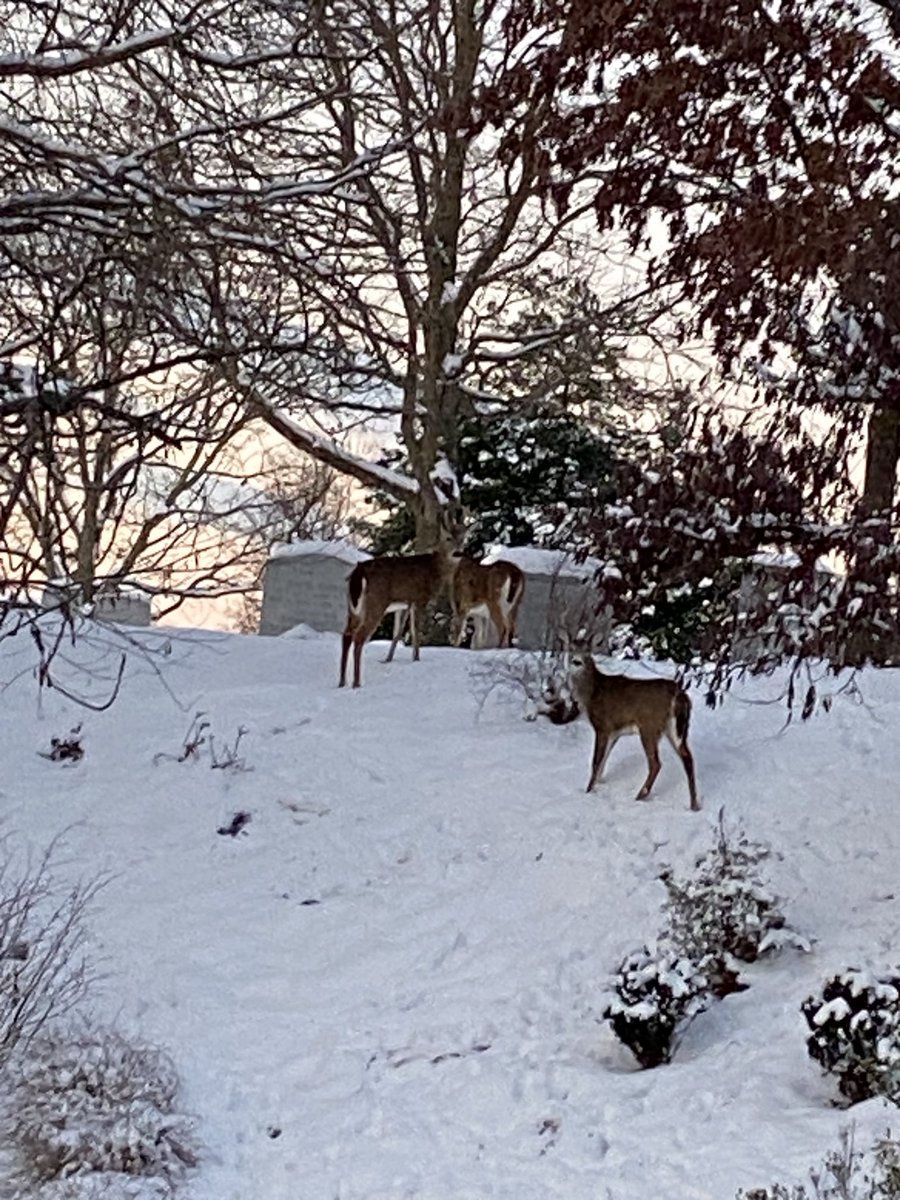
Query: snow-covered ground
x=400, y=963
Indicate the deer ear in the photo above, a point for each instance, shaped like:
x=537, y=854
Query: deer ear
x=581, y=643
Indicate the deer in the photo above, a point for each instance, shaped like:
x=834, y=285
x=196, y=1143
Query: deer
x=495, y=589
x=401, y=584
x=617, y=704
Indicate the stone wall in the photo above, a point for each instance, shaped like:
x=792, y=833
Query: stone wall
x=306, y=584
x=123, y=608
x=559, y=598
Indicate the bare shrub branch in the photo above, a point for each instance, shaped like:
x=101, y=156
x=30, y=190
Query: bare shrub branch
x=44, y=972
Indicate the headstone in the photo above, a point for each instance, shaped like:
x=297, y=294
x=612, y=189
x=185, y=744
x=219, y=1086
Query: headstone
x=305, y=583
x=122, y=607
x=560, y=600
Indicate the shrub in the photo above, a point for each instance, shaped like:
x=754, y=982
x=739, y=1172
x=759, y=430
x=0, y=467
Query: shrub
x=847, y=1174
x=537, y=678
x=658, y=992
x=855, y=1026
x=90, y=1100
x=43, y=971
x=100, y=1185
x=725, y=912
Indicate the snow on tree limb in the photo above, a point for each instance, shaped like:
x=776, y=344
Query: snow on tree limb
x=333, y=455
x=54, y=66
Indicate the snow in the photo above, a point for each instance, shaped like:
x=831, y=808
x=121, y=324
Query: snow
x=70, y=61
x=787, y=559
x=444, y=478
x=343, y=550
x=401, y=963
x=538, y=561
x=452, y=365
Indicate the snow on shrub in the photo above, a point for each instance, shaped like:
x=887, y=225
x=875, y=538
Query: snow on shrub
x=90, y=1100
x=855, y=1026
x=658, y=992
x=725, y=912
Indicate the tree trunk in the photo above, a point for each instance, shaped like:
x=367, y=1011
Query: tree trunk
x=882, y=454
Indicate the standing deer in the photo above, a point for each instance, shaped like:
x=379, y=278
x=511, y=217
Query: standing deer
x=494, y=590
x=617, y=705
x=393, y=583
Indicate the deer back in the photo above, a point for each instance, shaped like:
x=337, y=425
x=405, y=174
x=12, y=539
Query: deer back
x=615, y=703
x=397, y=579
x=475, y=583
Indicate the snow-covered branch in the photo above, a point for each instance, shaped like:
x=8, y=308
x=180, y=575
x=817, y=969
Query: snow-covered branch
x=71, y=62
x=329, y=452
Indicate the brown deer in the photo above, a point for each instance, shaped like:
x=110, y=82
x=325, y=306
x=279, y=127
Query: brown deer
x=399, y=584
x=495, y=589
x=616, y=704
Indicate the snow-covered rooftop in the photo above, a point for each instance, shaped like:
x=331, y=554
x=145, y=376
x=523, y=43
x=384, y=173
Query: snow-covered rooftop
x=341, y=549
x=537, y=561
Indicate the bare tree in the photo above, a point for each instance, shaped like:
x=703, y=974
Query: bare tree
x=436, y=252
x=158, y=191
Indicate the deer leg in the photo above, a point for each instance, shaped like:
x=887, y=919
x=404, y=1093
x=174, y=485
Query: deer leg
x=687, y=761
x=499, y=619
x=651, y=749
x=361, y=635
x=601, y=753
x=400, y=616
x=346, y=642
x=358, y=642
x=457, y=628
x=479, y=630
x=414, y=630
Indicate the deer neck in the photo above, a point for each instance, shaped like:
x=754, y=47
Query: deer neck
x=584, y=683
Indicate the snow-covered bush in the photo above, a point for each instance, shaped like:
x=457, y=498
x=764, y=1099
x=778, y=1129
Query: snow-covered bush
x=658, y=991
x=43, y=970
x=100, y=1185
x=90, y=1100
x=855, y=1026
x=724, y=913
x=846, y=1174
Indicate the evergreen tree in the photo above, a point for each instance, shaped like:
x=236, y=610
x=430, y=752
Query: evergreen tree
x=519, y=478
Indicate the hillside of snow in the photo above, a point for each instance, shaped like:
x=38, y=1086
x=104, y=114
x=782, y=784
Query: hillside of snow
x=390, y=983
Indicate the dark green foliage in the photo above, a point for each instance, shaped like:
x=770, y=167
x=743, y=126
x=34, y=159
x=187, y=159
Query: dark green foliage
x=681, y=617
x=518, y=471
x=519, y=476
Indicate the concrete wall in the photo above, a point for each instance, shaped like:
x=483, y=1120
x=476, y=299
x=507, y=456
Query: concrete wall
x=308, y=589
x=128, y=608
x=556, y=607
